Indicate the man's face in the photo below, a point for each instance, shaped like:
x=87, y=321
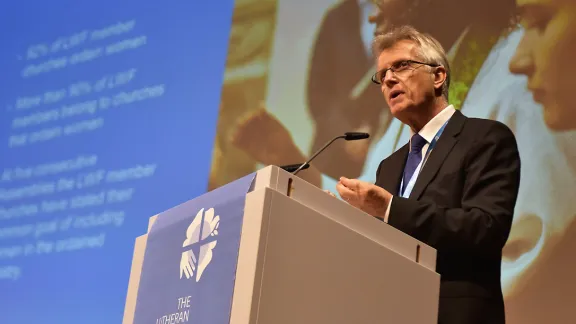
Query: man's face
x=413, y=88
x=546, y=55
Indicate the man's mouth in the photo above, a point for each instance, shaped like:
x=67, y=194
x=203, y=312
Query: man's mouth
x=394, y=94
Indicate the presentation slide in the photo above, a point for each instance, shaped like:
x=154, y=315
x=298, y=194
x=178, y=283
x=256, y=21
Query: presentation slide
x=108, y=113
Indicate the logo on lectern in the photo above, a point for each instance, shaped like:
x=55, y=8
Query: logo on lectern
x=199, y=243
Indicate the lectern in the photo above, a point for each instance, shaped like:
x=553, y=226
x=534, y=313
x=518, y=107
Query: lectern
x=271, y=248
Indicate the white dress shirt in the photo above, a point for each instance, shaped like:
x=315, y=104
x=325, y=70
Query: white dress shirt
x=427, y=132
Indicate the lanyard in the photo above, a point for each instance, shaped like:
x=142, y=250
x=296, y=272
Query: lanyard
x=412, y=181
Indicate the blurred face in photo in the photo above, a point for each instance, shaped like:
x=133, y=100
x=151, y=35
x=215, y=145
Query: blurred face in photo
x=547, y=56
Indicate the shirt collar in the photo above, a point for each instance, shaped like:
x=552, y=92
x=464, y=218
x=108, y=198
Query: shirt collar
x=433, y=126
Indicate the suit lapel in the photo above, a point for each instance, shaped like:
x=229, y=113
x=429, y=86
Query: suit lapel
x=392, y=170
x=436, y=158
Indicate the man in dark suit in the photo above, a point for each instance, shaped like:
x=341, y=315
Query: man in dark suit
x=453, y=186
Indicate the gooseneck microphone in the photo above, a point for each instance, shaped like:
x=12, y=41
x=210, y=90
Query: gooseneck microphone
x=350, y=136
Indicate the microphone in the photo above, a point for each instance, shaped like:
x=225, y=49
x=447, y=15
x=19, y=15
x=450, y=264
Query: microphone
x=353, y=136
x=349, y=136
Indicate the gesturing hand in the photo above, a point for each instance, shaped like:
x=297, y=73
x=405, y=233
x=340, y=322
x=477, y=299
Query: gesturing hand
x=364, y=195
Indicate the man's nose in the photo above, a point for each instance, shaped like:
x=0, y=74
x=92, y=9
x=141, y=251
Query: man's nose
x=390, y=79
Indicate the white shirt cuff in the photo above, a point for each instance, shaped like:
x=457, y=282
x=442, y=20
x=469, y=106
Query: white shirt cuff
x=388, y=210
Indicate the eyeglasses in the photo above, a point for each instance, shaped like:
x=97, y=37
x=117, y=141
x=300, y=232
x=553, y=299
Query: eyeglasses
x=399, y=69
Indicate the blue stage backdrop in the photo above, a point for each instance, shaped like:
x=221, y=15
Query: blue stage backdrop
x=108, y=113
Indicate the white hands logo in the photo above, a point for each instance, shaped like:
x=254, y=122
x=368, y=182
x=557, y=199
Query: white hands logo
x=199, y=243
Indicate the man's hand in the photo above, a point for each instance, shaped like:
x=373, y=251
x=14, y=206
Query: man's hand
x=365, y=196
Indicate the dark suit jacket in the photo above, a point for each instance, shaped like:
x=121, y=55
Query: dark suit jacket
x=462, y=205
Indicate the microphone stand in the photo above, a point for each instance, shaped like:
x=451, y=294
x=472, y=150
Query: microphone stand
x=318, y=152
x=349, y=136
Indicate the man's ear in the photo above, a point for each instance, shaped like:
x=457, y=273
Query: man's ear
x=439, y=77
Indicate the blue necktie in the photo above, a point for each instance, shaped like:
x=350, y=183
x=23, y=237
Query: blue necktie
x=414, y=157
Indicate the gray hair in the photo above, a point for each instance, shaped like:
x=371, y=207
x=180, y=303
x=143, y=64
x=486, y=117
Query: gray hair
x=429, y=49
